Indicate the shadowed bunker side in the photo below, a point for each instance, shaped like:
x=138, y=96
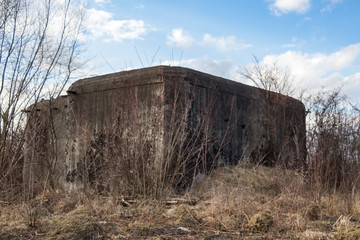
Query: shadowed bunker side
x=139, y=131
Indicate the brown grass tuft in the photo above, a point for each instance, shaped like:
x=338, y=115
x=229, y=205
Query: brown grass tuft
x=232, y=202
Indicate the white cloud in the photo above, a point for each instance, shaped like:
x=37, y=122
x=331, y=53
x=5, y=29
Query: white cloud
x=180, y=38
x=225, y=43
x=330, y=6
x=295, y=42
x=317, y=65
x=351, y=86
x=101, y=24
x=102, y=1
x=140, y=6
x=279, y=7
x=318, y=70
x=289, y=45
x=61, y=15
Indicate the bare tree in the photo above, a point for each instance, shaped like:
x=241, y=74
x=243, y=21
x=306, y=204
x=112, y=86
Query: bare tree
x=39, y=51
x=269, y=77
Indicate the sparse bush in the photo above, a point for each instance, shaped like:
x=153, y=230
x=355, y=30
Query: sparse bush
x=261, y=222
x=333, y=143
x=333, y=133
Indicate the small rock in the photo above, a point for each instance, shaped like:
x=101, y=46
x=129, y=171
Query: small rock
x=184, y=229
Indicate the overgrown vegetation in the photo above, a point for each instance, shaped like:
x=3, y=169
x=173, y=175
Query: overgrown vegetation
x=143, y=155
x=333, y=143
x=333, y=133
x=315, y=200
x=237, y=202
x=319, y=201
x=39, y=52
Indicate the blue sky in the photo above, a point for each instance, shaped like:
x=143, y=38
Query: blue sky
x=317, y=40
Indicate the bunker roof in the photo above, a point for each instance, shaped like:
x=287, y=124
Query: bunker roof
x=156, y=75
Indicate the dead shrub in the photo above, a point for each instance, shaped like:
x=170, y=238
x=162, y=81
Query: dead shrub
x=261, y=222
x=333, y=135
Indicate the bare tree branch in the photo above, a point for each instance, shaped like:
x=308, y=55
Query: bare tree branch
x=269, y=77
x=39, y=49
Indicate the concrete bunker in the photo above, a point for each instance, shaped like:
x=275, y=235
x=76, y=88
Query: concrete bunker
x=136, y=132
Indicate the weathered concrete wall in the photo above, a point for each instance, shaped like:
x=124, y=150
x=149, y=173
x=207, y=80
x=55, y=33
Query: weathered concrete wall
x=127, y=106
x=147, y=127
x=48, y=135
x=235, y=121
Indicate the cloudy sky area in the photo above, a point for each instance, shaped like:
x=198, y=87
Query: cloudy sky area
x=317, y=40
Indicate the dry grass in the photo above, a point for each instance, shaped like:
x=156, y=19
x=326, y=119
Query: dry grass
x=232, y=202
